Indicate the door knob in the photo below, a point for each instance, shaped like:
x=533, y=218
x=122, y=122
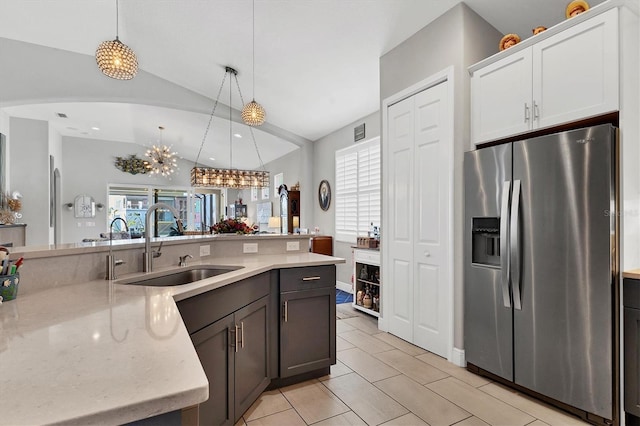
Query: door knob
x=427, y=254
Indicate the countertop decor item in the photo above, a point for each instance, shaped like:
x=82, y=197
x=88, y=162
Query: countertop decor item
x=509, y=40
x=10, y=206
x=324, y=195
x=132, y=164
x=576, y=7
x=228, y=178
x=9, y=286
x=115, y=59
x=253, y=113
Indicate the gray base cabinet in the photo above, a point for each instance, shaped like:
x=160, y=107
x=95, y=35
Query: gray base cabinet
x=307, y=319
x=243, y=344
x=234, y=354
x=231, y=338
x=632, y=349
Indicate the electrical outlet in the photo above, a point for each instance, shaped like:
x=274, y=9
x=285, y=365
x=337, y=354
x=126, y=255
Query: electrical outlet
x=205, y=250
x=293, y=245
x=250, y=247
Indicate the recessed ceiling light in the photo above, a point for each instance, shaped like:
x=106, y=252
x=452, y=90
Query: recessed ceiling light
x=95, y=128
x=212, y=159
x=237, y=135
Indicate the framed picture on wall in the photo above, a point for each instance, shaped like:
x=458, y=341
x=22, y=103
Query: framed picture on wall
x=254, y=194
x=265, y=193
x=277, y=181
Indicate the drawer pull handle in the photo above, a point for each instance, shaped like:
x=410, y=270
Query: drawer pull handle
x=242, y=334
x=286, y=311
x=310, y=278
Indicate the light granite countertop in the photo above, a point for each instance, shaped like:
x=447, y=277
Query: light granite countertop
x=107, y=353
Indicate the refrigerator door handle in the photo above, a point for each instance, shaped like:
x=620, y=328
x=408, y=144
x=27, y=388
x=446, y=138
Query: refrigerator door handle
x=504, y=243
x=514, y=236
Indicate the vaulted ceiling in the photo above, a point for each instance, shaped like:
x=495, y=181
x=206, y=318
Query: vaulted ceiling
x=316, y=61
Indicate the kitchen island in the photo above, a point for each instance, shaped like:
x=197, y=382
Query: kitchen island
x=100, y=352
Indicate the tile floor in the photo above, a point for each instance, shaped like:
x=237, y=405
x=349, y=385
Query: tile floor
x=380, y=379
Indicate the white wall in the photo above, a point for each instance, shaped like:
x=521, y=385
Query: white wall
x=458, y=38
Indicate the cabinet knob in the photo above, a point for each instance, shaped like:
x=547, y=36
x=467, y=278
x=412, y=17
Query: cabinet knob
x=427, y=254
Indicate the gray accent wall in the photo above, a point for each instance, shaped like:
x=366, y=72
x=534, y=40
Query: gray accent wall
x=29, y=174
x=458, y=38
x=91, y=175
x=324, y=167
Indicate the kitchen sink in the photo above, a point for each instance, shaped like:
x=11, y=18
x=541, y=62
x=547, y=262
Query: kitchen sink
x=182, y=276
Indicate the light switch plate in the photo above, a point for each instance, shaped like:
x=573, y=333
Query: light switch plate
x=293, y=245
x=250, y=247
x=205, y=250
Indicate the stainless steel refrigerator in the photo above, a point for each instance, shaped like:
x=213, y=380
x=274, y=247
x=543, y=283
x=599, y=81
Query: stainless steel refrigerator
x=540, y=262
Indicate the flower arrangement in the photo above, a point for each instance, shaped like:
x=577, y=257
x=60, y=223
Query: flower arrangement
x=231, y=226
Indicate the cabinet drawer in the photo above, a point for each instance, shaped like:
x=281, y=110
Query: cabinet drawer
x=367, y=256
x=294, y=279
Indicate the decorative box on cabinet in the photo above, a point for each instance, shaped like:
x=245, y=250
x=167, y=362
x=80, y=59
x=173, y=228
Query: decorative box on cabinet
x=366, y=274
x=322, y=244
x=564, y=77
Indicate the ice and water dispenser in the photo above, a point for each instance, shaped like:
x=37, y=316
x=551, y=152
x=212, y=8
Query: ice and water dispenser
x=485, y=245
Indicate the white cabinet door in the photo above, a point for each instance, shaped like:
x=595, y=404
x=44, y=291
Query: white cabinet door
x=501, y=98
x=575, y=74
x=417, y=179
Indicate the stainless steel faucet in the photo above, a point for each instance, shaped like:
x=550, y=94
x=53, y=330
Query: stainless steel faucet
x=111, y=262
x=148, y=255
x=183, y=259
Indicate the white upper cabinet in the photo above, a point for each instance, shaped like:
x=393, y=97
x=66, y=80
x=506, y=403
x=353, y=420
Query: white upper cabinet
x=568, y=76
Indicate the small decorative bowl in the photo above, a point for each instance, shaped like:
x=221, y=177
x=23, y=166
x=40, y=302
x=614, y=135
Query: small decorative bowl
x=9, y=286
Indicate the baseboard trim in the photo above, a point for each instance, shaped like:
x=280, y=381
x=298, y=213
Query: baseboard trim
x=344, y=286
x=457, y=357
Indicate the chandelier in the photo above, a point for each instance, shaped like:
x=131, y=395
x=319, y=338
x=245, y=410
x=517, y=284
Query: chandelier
x=115, y=59
x=162, y=160
x=253, y=113
x=228, y=178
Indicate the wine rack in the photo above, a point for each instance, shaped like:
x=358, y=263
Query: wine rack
x=366, y=276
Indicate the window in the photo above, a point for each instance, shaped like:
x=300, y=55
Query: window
x=198, y=209
x=357, y=193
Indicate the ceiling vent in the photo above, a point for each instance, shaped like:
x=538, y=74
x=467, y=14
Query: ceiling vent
x=358, y=133
x=61, y=115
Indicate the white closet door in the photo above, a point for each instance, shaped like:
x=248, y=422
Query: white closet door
x=417, y=180
x=399, y=238
x=432, y=192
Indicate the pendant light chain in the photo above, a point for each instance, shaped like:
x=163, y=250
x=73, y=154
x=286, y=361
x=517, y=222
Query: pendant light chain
x=213, y=110
x=253, y=44
x=230, y=125
x=117, y=20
